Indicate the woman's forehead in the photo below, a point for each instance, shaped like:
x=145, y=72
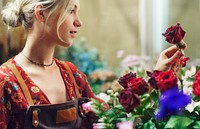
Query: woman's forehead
x=75, y=4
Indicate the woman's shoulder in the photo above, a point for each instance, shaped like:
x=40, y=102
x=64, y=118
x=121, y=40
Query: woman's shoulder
x=70, y=64
x=76, y=72
x=5, y=74
x=5, y=71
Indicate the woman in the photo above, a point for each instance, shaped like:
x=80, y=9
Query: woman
x=48, y=23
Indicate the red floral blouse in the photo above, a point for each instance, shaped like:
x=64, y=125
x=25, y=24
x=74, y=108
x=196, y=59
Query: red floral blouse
x=13, y=105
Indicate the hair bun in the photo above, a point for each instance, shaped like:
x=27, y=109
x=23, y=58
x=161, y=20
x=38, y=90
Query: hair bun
x=12, y=15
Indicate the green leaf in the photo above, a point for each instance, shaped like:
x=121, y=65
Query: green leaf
x=196, y=125
x=160, y=124
x=154, y=95
x=197, y=68
x=190, y=79
x=149, y=125
x=119, y=107
x=182, y=72
x=149, y=112
x=146, y=103
x=132, y=118
x=178, y=122
x=110, y=112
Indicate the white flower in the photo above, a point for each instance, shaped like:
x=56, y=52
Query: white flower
x=116, y=94
x=187, y=87
x=193, y=70
x=104, y=97
x=187, y=83
x=110, y=92
x=99, y=126
x=190, y=107
x=102, y=119
x=190, y=73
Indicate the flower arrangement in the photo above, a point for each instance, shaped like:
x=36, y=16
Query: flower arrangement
x=164, y=100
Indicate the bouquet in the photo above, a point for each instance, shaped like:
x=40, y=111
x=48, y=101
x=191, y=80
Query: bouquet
x=165, y=100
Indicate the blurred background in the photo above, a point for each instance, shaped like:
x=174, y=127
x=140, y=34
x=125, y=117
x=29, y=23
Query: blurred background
x=117, y=31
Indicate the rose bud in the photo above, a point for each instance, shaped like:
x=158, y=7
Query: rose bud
x=175, y=35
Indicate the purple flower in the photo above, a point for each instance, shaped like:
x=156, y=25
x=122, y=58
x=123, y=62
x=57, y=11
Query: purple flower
x=171, y=102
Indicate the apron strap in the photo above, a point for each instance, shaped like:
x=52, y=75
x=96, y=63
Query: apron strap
x=22, y=84
x=78, y=95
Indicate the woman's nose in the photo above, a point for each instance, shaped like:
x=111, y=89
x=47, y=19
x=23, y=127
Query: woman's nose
x=78, y=22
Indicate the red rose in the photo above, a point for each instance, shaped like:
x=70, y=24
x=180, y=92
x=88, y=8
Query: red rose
x=197, y=76
x=183, y=61
x=152, y=76
x=174, y=34
x=196, y=87
x=138, y=85
x=166, y=80
x=124, y=79
x=129, y=100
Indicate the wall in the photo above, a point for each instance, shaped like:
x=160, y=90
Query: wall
x=187, y=13
x=112, y=25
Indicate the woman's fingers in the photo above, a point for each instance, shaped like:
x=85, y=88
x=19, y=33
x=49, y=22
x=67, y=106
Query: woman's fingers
x=170, y=51
x=173, y=58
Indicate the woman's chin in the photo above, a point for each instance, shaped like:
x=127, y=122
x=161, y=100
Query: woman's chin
x=66, y=44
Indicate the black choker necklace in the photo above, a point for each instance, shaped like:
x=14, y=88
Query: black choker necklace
x=36, y=63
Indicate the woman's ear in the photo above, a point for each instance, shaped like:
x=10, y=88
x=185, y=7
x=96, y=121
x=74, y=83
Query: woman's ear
x=39, y=13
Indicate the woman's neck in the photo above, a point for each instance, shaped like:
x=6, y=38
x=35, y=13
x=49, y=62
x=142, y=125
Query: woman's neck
x=39, y=51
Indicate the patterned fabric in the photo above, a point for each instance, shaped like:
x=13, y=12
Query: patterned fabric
x=13, y=105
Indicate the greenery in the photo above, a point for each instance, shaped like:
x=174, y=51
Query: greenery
x=144, y=115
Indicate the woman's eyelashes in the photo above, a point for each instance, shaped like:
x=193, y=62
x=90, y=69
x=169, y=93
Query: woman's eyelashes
x=72, y=10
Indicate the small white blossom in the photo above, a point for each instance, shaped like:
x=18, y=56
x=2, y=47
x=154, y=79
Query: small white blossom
x=190, y=107
x=99, y=126
x=110, y=92
x=104, y=96
x=116, y=94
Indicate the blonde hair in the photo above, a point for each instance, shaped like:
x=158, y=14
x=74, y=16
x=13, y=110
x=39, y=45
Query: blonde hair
x=21, y=12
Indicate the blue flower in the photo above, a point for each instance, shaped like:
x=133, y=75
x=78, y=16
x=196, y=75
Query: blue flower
x=171, y=102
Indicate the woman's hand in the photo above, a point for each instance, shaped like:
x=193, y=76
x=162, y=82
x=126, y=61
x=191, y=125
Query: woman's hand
x=167, y=58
